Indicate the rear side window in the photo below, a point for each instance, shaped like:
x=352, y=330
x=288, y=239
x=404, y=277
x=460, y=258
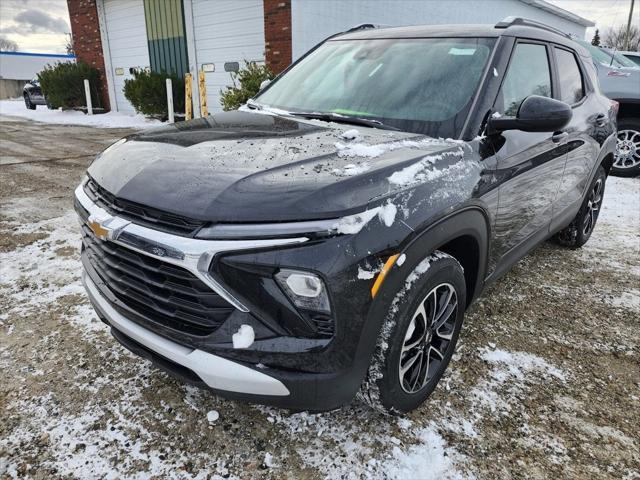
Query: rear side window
x=528, y=74
x=569, y=77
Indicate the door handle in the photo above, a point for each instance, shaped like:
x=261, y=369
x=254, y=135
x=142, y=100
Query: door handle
x=601, y=120
x=559, y=136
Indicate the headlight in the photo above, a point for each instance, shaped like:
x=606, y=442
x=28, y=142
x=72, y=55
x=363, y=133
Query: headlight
x=306, y=290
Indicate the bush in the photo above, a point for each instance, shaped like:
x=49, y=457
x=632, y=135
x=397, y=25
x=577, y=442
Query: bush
x=63, y=84
x=147, y=92
x=250, y=78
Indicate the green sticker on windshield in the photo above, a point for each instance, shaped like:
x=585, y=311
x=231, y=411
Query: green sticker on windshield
x=462, y=51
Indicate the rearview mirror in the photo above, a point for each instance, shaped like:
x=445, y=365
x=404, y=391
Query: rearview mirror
x=535, y=114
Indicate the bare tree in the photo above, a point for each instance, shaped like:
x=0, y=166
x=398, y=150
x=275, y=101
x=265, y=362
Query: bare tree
x=7, y=45
x=616, y=37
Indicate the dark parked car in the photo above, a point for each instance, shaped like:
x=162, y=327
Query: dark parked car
x=328, y=239
x=32, y=94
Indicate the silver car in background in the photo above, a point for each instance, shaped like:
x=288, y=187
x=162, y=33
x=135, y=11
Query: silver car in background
x=619, y=79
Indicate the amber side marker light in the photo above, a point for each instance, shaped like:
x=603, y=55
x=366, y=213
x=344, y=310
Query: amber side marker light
x=383, y=273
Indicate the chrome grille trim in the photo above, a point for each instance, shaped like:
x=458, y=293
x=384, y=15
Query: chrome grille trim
x=192, y=254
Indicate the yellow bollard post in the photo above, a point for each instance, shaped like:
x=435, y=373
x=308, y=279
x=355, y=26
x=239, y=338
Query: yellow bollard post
x=188, y=103
x=204, y=111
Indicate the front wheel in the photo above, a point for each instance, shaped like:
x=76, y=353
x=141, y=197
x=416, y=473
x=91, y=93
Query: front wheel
x=418, y=336
x=28, y=103
x=627, y=157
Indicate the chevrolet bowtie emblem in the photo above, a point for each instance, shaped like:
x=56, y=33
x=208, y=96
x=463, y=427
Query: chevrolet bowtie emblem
x=106, y=227
x=98, y=230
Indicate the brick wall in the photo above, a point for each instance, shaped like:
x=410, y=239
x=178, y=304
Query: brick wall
x=87, y=43
x=277, y=34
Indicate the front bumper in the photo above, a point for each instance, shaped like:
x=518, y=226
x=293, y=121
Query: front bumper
x=286, y=371
x=230, y=379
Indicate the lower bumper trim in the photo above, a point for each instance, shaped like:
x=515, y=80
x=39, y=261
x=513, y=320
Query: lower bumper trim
x=216, y=372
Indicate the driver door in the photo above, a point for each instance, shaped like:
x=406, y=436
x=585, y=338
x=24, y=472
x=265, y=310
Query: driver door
x=530, y=164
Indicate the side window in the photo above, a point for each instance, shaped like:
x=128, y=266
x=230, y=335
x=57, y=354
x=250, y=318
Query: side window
x=528, y=74
x=569, y=77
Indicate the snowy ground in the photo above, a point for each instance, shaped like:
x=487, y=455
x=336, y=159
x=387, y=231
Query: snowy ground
x=545, y=382
x=16, y=107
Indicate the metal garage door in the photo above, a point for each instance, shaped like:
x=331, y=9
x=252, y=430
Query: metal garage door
x=127, y=34
x=226, y=31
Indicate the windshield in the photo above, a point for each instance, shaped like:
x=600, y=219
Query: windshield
x=423, y=85
x=606, y=57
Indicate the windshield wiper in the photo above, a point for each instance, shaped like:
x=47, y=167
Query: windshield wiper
x=336, y=117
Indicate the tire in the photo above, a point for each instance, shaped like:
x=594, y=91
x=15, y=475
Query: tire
x=581, y=227
x=395, y=383
x=27, y=102
x=627, y=157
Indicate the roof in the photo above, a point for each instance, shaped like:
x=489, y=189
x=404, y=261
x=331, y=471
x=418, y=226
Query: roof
x=511, y=27
x=560, y=12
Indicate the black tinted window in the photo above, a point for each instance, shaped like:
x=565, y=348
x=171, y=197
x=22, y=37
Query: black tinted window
x=569, y=76
x=528, y=74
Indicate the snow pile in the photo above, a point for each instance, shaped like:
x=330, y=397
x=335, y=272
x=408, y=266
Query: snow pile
x=244, y=337
x=16, y=108
x=350, y=134
x=352, y=169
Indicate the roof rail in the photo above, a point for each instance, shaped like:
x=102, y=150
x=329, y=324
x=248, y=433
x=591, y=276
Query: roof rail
x=525, y=22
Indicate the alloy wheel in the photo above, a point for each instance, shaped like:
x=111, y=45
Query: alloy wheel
x=428, y=338
x=593, y=207
x=627, y=149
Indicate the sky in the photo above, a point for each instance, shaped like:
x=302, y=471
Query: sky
x=42, y=25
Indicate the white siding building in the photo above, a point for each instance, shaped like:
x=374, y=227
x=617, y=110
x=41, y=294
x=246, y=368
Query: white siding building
x=191, y=35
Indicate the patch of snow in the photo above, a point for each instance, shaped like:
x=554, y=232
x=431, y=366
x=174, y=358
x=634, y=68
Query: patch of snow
x=387, y=213
x=401, y=260
x=352, y=169
x=266, y=110
x=16, y=108
x=350, y=134
x=366, y=274
x=430, y=459
x=495, y=72
x=244, y=337
x=359, y=150
x=212, y=416
x=496, y=115
x=424, y=171
x=269, y=462
x=352, y=224
x=518, y=363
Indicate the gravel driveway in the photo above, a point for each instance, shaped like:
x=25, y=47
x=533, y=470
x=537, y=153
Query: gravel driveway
x=545, y=382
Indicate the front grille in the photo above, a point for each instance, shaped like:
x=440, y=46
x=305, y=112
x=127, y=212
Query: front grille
x=141, y=214
x=324, y=325
x=161, y=292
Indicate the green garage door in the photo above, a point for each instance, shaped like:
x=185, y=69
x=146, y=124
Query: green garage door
x=165, y=34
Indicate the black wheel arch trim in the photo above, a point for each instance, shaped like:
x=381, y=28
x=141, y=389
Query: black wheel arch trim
x=471, y=220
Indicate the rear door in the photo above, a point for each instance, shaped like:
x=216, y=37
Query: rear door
x=530, y=164
x=588, y=124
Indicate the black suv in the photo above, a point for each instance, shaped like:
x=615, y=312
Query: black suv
x=326, y=239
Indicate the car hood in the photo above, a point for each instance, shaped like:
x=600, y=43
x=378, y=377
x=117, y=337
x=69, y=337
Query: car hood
x=256, y=167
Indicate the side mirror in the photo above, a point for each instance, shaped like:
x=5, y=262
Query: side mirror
x=535, y=114
x=264, y=84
